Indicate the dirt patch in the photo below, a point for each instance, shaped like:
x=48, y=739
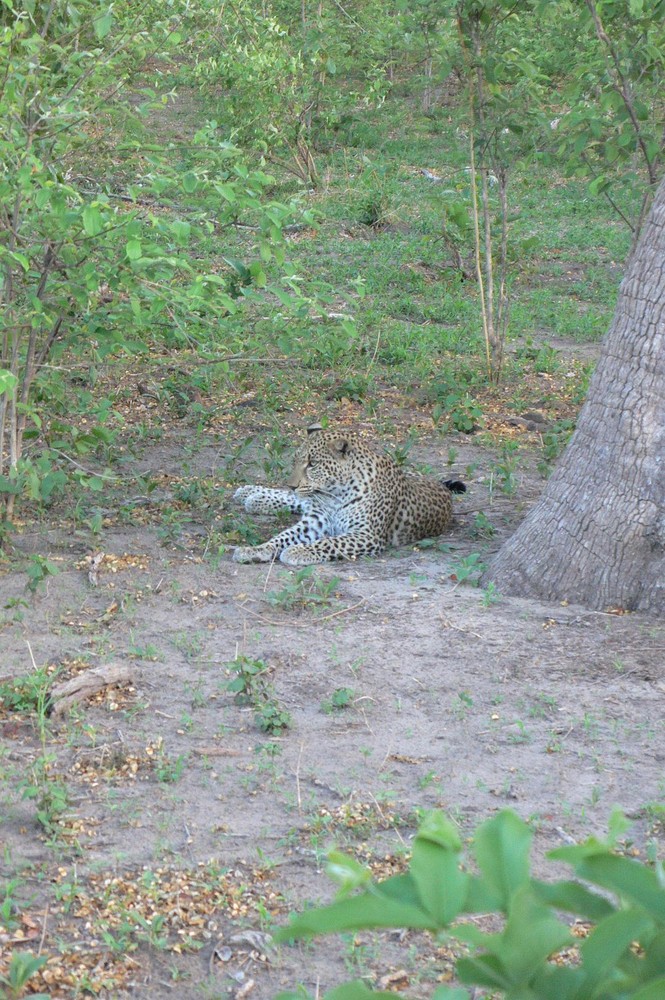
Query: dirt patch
x=569, y=352
x=190, y=831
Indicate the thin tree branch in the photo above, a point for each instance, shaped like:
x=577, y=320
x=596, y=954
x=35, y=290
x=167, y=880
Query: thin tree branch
x=622, y=87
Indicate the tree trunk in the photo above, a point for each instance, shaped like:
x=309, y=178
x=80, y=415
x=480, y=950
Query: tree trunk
x=597, y=535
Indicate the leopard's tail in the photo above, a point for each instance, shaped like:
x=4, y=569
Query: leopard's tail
x=455, y=486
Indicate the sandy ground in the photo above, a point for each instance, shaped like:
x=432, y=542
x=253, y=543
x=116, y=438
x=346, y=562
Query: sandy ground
x=453, y=698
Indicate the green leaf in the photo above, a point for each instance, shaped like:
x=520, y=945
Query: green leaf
x=654, y=991
x=438, y=829
x=441, y=885
x=642, y=111
x=599, y=184
x=102, y=24
x=393, y=903
x=92, y=220
x=238, y=267
x=7, y=381
x=181, y=230
x=228, y=192
x=611, y=151
x=22, y=967
x=530, y=936
x=14, y=255
x=618, y=825
x=284, y=297
x=133, y=249
x=653, y=148
x=95, y=483
x=577, y=854
x=42, y=198
x=226, y=302
x=347, y=872
x=610, y=939
x=258, y=274
x=580, y=143
x=654, y=961
x=484, y=970
x=502, y=851
x=9, y=486
x=629, y=879
x=559, y=983
x=573, y=897
x=51, y=482
x=190, y=182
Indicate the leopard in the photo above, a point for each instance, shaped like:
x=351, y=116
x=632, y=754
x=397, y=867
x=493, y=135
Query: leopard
x=352, y=500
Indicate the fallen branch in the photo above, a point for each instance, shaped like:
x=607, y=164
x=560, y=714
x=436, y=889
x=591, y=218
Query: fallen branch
x=83, y=686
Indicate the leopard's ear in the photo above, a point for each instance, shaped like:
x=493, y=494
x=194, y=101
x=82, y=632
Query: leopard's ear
x=314, y=429
x=341, y=445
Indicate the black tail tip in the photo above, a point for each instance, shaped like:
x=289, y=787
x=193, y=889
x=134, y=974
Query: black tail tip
x=455, y=486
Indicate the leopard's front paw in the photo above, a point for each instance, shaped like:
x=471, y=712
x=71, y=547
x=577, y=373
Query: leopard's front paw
x=300, y=555
x=253, y=553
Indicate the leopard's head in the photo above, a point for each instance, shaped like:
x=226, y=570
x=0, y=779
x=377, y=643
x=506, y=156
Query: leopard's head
x=328, y=462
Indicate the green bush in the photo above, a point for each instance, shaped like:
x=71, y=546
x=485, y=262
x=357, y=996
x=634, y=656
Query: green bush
x=623, y=957
x=104, y=267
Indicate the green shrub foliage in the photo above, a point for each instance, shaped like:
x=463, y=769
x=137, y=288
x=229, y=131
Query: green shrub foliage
x=623, y=957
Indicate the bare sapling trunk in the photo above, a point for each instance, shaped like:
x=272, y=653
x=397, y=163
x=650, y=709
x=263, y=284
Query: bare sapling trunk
x=597, y=535
x=485, y=169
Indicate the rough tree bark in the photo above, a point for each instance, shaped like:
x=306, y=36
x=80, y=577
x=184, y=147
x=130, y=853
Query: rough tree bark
x=597, y=535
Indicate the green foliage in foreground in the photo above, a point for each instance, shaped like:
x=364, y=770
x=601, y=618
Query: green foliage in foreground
x=623, y=958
